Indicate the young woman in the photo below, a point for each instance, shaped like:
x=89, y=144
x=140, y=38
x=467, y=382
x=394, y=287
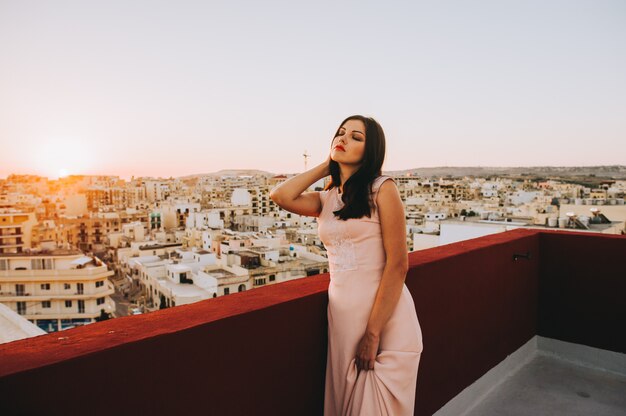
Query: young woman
x=374, y=337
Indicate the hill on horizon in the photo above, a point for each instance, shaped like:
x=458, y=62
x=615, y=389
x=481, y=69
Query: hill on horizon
x=608, y=171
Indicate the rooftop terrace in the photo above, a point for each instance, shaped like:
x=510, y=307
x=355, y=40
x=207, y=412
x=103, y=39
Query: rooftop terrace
x=481, y=303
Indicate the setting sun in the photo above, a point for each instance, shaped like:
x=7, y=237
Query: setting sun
x=60, y=157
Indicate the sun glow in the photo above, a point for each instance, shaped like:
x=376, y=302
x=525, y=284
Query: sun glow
x=58, y=157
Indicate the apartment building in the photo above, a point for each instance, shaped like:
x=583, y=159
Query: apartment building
x=156, y=190
x=261, y=202
x=90, y=232
x=55, y=289
x=104, y=197
x=16, y=231
x=117, y=197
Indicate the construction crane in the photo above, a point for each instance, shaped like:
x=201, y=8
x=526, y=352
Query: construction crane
x=306, y=158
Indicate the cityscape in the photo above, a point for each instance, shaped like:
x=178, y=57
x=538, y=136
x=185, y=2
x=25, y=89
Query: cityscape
x=80, y=249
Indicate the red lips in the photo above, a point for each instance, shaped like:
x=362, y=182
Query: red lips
x=340, y=147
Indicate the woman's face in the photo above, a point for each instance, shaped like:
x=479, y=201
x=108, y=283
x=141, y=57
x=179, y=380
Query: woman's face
x=349, y=145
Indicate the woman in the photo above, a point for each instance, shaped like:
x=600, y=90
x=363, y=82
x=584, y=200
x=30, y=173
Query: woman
x=374, y=337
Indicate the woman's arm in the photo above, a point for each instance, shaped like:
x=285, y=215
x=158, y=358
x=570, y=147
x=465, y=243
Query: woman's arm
x=393, y=227
x=289, y=194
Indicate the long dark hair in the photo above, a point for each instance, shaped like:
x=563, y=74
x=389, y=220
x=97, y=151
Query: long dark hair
x=357, y=189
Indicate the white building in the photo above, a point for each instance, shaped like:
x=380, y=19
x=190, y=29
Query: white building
x=175, y=279
x=57, y=289
x=175, y=214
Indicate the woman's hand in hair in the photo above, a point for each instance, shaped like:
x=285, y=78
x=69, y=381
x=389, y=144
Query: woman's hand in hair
x=293, y=195
x=327, y=164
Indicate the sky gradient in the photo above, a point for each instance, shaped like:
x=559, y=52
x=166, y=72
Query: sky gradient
x=155, y=88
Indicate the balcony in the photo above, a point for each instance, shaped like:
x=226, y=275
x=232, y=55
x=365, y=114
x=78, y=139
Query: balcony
x=38, y=295
x=11, y=235
x=477, y=307
x=86, y=273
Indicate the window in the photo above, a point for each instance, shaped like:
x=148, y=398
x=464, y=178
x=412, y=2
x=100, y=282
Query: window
x=21, y=308
x=226, y=290
x=66, y=286
x=100, y=283
x=81, y=306
x=45, y=304
x=68, y=303
x=4, y=264
x=45, y=286
x=272, y=277
x=80, y=289
x=99, y=301
x=20, y=289
x=41, y=264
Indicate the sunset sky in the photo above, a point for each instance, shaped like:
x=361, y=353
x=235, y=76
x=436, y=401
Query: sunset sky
x=157, y=88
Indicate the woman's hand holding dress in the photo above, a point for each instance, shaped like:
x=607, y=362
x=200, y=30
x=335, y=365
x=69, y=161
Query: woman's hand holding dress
x=367, y=351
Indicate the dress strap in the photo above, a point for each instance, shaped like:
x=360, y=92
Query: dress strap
x=378, y=182
x=376, y=187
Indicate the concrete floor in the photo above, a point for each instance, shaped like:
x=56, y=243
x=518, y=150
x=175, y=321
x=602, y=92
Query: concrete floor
x=550, y=386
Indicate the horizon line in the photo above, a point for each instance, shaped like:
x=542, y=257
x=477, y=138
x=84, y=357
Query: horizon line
x=290, y=173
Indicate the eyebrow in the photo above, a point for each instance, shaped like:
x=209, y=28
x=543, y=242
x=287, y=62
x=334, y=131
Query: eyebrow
x=353, y=131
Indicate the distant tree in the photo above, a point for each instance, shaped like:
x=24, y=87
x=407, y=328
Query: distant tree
x=463, y=212
x=103, y=316
x=471, y=214
x=555, y=201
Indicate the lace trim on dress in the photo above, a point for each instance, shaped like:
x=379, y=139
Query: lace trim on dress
x=341, y=250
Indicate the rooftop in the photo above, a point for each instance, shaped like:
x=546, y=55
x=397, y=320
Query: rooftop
x=475, y=221
x=551, y=385
x=219, y=273
x=14, y=326
x=480, y=306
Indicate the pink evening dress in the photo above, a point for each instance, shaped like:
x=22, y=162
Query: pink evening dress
x=356, y=258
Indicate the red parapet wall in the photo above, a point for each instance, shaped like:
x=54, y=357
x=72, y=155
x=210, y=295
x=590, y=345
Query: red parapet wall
x=255, y=352
x=264, y=351
x=476, y=305
x=582, y=292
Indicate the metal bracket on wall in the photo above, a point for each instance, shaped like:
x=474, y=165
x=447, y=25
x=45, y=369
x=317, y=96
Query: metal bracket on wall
x=521, y=256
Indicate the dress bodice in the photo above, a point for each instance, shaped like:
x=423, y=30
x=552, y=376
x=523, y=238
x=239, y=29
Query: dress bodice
x=355, y=243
